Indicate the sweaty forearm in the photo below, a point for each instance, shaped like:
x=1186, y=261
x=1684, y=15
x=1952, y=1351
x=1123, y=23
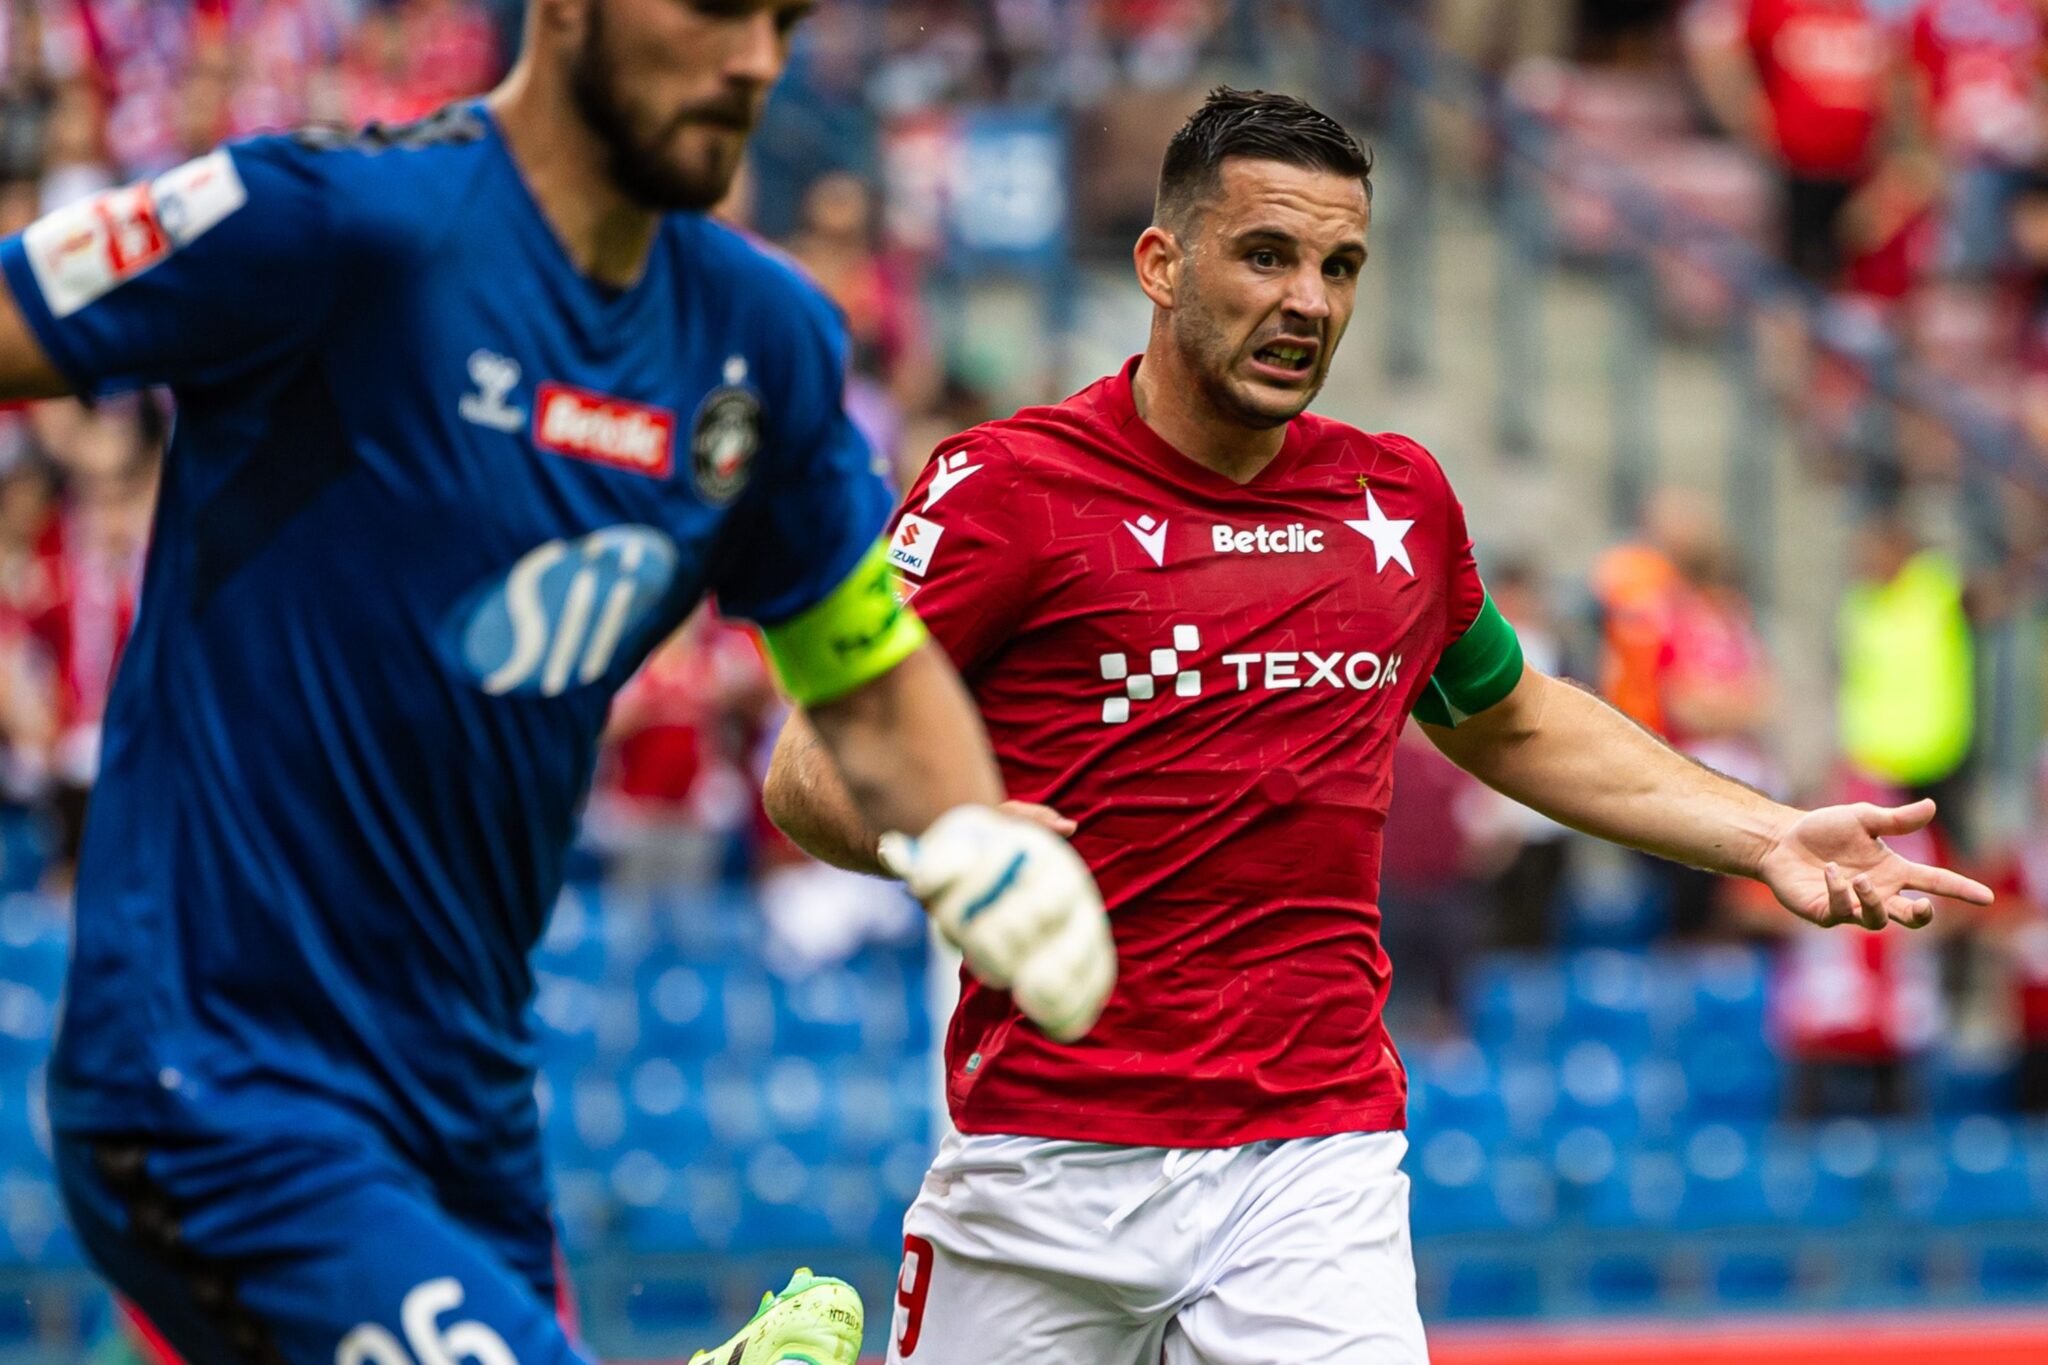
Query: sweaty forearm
x=892, y=755
x=1566, y=753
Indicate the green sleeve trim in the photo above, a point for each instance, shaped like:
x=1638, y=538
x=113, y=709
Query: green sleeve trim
x=1476, y=672
x=855, y=635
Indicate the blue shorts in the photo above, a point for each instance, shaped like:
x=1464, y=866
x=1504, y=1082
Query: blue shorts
x=281, y=1249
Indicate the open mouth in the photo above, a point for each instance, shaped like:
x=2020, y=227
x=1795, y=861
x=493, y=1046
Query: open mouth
x=1289, y=357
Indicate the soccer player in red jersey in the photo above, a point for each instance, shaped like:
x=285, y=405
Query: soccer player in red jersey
x=1195, y=618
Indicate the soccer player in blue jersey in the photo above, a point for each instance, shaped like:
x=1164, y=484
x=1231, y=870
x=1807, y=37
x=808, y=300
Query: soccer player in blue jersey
x=470, y=415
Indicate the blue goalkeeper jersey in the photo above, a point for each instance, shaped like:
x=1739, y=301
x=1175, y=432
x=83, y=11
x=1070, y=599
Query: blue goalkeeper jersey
x=432, y=495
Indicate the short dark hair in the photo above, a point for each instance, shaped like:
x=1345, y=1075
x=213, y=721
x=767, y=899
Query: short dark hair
x=1254, y=125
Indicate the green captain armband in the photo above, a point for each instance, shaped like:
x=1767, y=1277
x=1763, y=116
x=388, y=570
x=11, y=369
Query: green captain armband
x=1480, y=669
x=858, y=633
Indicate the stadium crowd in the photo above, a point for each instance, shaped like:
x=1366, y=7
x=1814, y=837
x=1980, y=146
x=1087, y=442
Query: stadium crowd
x=1923, y=210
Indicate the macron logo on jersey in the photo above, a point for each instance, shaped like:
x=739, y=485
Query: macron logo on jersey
x=910, y=549
x=84, y=251
x=605, y=430
x=1150, y=533
x=948, y=474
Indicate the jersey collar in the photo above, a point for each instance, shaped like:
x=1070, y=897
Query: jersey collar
x=1120, y=406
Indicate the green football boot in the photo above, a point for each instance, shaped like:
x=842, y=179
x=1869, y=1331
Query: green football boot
x=815, y=1320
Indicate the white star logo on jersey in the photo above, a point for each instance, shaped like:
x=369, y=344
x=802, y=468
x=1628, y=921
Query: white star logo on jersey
x=950, y=472
x=1151, y=537
x=1388, y=537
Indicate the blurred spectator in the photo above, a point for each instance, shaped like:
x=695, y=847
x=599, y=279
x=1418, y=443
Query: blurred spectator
x=1524, y=892
x=1807, y=84
x=838, y=242
x=1438, y=849
x=1681, y=655
x=92, y=553
x=1716, y=694
x=1977, y=68
x=673, y=793
x=1623, y=32
x=2020, y=927
x=1907, y=697
x=1495, y=34
x=1634, y=587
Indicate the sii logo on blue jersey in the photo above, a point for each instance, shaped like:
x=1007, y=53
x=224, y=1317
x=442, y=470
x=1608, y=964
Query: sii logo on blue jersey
x=560, y=615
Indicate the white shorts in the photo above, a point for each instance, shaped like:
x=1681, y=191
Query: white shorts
x=1023, y=1251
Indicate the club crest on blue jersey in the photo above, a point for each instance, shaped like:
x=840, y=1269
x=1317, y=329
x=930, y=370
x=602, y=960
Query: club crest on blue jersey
x=563, y=615
x=726, y=436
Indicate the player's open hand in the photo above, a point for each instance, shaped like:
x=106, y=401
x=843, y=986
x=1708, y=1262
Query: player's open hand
x=1831, y=866
x=1021, y=906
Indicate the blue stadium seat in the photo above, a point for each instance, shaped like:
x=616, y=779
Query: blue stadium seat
x=1727, y=987
x=573, y=944
x=862, y=1114
x=1661, y=1095
x=795, y=1096
x=820, y=1015
x=1525, y=1191
x=1731, y=1077
x=1593, y=1091
x=1645, y=1191
x=1984, y=1177
x=35, y=942
x=732, y=1105
x=847, y=1195
x=1464, y=1092
x=1491, y=1287
x=1608, y=1000
x=1453, y=1186
x=682, y=1007
x=665, y=1113
x=672, y=1307
x=1620, y=908
x=26, y=1017
x=1750, y=1279
x=1514, y=1000
x=583, y=1210
x=2014, y=1273
x=1623, y=1281
x=1724, y=1181
x=1959, y=1084
x=33, y=1229
x=1528, y=1095
x=1585, y=1161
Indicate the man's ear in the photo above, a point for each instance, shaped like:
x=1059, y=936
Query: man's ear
x=1159, y=257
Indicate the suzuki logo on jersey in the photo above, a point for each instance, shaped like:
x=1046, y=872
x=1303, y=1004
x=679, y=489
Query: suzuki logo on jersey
x=910, y=549
x=1150, y=534
x=563, y=614
x=495, y=376
x=1296, y=539
x=1164, y=663
x=605, y=430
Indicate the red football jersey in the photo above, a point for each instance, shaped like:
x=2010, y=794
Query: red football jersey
x=1209, y=678
x=1823, y=66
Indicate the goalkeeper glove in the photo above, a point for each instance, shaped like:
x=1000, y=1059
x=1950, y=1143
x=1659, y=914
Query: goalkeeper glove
x=1022, y=908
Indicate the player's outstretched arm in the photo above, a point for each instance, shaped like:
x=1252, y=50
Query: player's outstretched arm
x=25, y=369
x=1559, y=749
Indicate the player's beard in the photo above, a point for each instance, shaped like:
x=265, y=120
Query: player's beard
x=641, y=164
x=1212, y=356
